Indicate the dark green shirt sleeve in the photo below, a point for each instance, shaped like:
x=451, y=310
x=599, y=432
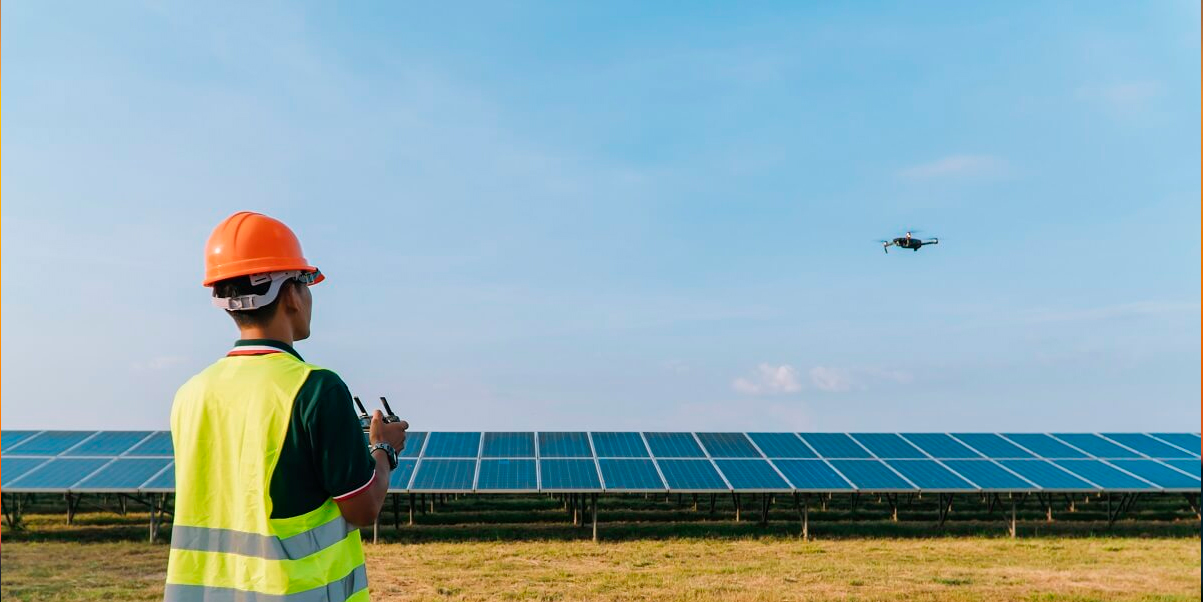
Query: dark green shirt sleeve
x=334, y=439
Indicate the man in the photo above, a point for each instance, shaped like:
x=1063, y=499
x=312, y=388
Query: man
x=272, y=475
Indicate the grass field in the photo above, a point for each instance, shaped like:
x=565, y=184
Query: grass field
x=527, y=552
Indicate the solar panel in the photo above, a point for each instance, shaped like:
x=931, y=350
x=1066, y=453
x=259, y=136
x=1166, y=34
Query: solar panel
x=988, y=475
x=871, y=475
x=565, y=445
x=1095, y=445
x=630, y=475
x=940, y=445
x=1105, y=476
x=991, y=445
x=1046, y=475
x=11, y=438
x=159, y=444
x=691, y=475
x=1044, y=446
x=452, y=445
x=835, y=445
x=444, y=475
x=413, y=444
x=1184, y=440
x=12, y=469
x=728, y=445
x=888, y=445
x=398, y=480
x=58, y=474
x=507, y=475
x=674, y=445
x=563, y=474
x=508, y=445
x=164, y=481
x=812, y=475
x=51, y=443
x=930, y=476
x=755, y=475
x=123, y=474
x=1158, y=473
x=619, y=445
x=109, y=443
x=1190, y=467
x=781, y=445
x=1148, y=445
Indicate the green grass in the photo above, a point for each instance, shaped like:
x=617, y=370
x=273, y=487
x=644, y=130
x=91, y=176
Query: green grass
x=525, y=548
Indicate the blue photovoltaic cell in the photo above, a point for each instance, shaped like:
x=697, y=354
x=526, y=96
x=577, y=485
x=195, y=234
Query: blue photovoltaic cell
x=565, y=445
x=52, y=443
x=507, y=475
x=871, y=475
x=159, y=444
x=58, y=474
x=1095, y=445
x=1104, y=476
x=109, y=443
x=124, y=473
x=1148, y=445
x=1047, y=476
x=991, y=445
x=12, y=469
x=1184, y=440
x=674, y=445
x=452, y=445
x=630, y=475
x=751, y=474
x=929, y=475
x=781, y=445
x=1190, y=467
x=835, y=445
x=508, y=445
x=728, y=445
x=399, y=479
x=1044, y=446
x=11, y=438
x=413, y=444
x=988, y=475
x=619, y=445
x=1158, y=473
x=941, y=446
x=888, y=445
x=697, y=475
x=569, y=474
x=161, y=482
x=445, y=475
x=811, y=475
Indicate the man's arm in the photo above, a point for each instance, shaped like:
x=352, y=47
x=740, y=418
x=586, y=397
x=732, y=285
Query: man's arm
x=362, y=508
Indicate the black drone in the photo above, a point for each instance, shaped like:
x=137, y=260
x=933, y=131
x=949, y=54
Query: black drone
x=907, y=242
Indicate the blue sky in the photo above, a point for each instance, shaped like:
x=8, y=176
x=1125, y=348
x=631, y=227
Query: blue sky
x=610, y=216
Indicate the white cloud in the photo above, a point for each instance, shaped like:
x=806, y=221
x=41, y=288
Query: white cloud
x=954, y=165
x=769, y=380
x=832, y=380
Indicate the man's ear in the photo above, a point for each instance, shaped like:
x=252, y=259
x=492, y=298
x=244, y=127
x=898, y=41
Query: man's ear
x=289, y=299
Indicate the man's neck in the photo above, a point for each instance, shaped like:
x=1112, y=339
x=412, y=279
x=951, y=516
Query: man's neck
x=272, y=332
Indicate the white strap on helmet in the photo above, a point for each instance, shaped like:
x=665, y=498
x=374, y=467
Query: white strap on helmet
x=249, y=302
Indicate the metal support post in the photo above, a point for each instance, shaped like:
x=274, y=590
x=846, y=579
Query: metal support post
x=1011, y=529
x=737, y=508
x=594, y=516
x=411, y=509
x=712, y=496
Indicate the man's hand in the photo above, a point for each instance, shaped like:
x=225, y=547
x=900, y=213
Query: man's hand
x=362, y=510
x=392, y=433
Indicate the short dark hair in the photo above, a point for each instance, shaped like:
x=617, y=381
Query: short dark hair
x=241, y=285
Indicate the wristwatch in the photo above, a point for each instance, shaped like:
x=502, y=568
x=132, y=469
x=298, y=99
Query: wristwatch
x=388, y=450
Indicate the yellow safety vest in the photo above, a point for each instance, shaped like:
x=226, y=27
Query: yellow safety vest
x=228, y=424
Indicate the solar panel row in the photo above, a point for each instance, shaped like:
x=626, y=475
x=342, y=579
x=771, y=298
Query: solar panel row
x=698, y=462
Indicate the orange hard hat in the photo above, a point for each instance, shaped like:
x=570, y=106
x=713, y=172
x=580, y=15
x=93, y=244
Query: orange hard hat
x=252, y=243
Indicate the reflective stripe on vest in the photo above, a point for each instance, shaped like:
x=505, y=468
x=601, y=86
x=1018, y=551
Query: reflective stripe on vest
x=228, y=425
